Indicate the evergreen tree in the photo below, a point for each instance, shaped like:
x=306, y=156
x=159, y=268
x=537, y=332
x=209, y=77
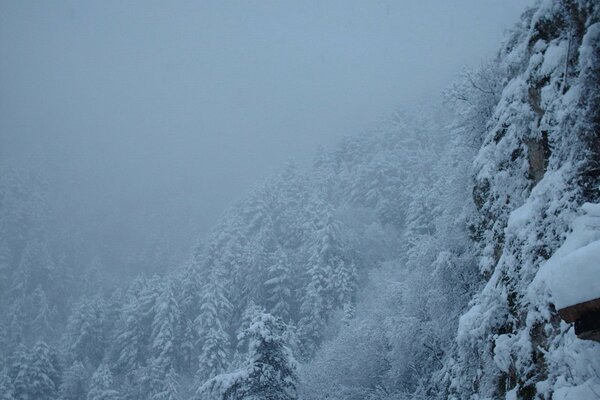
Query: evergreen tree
x=15, y=322
x=42, y=324
x=18, y=363
x=37, y=267
x=5, y=268
x=37, y=373
x=74, y=385
x=212, y=324
x=290, y=202
x=241, y=350
x=278, y=285
x=134, y=329
x=270, y=370
x=189, y=296
x=84, y=339
x=7, y=389
x=165, y=330
x=169, y=389
x=102, y=386
x=332, y=277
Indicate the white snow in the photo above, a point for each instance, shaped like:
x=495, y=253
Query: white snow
x=502, y=352
x=588, y=391
x=573, y=272
x=554, y=57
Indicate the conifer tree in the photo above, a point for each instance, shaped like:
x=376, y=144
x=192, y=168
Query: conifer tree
x=169, y=389
x=189, y=303
x=7, y=389
x=135, y=327
x=75, y=381
x=102, y=385
x=241, y=350
x=278, y=285
x=84, y=339
x=37, y=373
x=331, y=282
x=5, y=268
x=165, y=330
x=212, y=324
x=269, y=372
x=42, y=324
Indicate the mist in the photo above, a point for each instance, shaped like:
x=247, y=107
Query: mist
x=182, y=107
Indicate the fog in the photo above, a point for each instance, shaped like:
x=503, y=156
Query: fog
x=160, y=114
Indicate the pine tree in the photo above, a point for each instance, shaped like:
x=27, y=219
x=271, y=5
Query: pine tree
x=278, y=285
x=135, y=327
x=345, y=282
x=31, y=312
x=37, y=373
x=92, y=278
x=7, y=389
x=101, y=387
x=15, y=322
x=212, y=324
x=169, y=389
x=5, y=270
x=17, y=372
x=189, y=295
x=4, y=346
x=291, y=199
x=42, y=324
x=332, y=278
x=165, y=330
x=270, y=371
x=241, y=350
x=74, y=385
x=84, y=339
x=314, y=308
x=37, y=266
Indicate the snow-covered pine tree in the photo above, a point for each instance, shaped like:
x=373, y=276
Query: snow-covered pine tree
x=170, y=387
x=190, y=281
x=278, y=285
x=269, y=372
x=84, y=338
x=102, y=385
x=316, y=305
x=18, y=363
x=37, y=373
x=290, y=203
x=5, y=268
x=331, y=280
x=75, y=382
x=166, y=336
x=132, y=333
x=42, y=324
x=212, y=325
x=241, y=349
x=7, y=389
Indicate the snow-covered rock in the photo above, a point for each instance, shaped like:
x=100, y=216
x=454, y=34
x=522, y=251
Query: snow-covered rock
x=573, y=272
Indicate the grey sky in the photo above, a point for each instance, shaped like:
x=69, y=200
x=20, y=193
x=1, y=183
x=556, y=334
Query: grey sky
x=199, y=99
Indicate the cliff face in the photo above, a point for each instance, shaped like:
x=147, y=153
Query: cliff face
x=538, y=163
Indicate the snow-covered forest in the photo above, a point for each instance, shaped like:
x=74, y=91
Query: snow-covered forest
x=426, y=258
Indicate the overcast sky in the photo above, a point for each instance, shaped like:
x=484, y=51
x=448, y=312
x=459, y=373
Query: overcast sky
x=197, y=100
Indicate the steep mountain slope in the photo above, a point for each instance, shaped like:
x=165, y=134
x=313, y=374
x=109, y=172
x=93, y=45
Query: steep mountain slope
x=538, y=163
x=532, y=116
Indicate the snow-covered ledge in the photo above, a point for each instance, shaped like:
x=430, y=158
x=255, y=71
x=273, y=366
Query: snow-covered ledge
x=573, y=275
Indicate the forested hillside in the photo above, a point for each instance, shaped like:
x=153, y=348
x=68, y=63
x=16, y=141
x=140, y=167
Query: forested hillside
x=404, y=264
